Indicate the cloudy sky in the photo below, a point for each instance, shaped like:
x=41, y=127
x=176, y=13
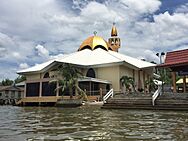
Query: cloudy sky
x=33, y=31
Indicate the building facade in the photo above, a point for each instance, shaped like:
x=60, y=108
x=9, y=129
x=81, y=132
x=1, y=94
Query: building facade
x=100, y=63
x=10, y=94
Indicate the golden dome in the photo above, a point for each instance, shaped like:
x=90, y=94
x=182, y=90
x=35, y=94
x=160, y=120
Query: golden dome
x=114, y=31
x=94, y=42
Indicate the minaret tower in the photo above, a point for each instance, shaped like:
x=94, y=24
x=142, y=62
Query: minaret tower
x=114, y=41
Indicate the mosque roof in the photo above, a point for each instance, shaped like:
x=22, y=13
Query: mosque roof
x=93, y=52
x=92, y=58
x=94, y=42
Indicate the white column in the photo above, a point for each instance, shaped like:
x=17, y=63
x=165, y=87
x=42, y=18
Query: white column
x=40, y=89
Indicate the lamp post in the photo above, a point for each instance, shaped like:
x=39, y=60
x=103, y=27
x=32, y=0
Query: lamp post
x=161, y=56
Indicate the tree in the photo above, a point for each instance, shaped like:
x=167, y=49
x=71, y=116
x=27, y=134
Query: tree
x=19, y=79
x=150, y=84
x=7, y=82
x=127, y=82
x=69, y=79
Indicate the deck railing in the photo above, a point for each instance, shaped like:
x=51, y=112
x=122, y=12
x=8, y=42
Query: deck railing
x=157, y=92
x=108, y=95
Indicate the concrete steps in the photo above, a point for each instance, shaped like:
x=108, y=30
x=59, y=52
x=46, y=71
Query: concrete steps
x=165, y=102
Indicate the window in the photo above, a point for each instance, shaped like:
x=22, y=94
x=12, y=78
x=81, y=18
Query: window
x=91, y=73
x=12, y=93
x=1, y=94
x=19, y=94
x=6, y=93
x=46, y=75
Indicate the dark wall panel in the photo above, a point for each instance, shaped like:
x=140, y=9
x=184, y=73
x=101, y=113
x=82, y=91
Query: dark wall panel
x=32, y=89
x=48, y=89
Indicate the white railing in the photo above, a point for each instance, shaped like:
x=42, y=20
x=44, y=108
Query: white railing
x=157, y=92
x=108, y=95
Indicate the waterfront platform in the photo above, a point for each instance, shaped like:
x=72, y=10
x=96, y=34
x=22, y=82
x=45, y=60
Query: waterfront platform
x=167, y=101
x=50, y=99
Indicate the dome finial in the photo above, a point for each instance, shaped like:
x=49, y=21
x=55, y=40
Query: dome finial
x=95, y=33
x=114, y=30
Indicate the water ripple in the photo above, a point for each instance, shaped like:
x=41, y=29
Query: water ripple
x=90, y=123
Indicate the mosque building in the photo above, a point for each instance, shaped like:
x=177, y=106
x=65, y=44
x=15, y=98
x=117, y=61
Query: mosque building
x=100, y=63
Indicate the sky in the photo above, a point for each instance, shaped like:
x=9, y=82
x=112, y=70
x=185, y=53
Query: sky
x=34, y=31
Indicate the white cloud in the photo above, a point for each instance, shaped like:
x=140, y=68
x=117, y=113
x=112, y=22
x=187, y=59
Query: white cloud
x=42, y=51
x=142, y=6
x=57, y=56
x=23, y=66
x=182, y=9
x=59, y=27
x=94, y=12
x=16, y=55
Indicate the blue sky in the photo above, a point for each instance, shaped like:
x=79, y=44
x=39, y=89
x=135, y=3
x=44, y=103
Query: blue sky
x=34, y=31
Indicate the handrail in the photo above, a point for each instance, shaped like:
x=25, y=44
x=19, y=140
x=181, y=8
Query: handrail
x=157, y=92
x=108, y=95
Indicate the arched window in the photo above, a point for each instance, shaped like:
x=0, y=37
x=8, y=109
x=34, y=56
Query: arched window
x=46, y=75
x=91, y=73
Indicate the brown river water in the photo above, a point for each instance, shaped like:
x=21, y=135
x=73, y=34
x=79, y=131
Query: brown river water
x=91, y=124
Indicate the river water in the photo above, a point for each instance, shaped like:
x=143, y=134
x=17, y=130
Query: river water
x=91, y=123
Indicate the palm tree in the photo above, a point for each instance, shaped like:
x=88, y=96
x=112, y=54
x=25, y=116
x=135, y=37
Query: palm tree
x=69, y=79
x=150, y=84
x=127, y=82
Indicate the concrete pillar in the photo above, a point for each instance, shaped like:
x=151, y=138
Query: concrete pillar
x=174, y=81
x=133, y=74
x=139, y=80
x=57, y=90
x=144, y=81
x=184, y=84
x=40, y=89
x=90, y=87
x=101, y=93
x=25, y=90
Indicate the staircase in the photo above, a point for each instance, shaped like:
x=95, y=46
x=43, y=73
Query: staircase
x=138, y=101
x=174, y=101
x=128, y=102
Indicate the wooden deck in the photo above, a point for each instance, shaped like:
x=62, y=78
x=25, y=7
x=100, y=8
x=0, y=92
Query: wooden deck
x=38, y=99
x=50, y=99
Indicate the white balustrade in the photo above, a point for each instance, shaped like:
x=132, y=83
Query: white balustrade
x=157, y=92
x=108, y=95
